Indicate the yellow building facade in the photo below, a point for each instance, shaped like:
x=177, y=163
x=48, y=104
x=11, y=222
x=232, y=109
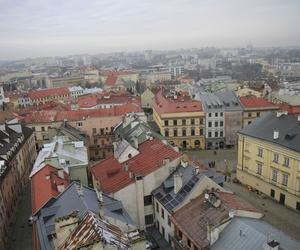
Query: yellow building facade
x=185, y=130
x=270, y=168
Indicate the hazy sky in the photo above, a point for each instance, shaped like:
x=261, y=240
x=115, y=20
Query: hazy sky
x=30, y=28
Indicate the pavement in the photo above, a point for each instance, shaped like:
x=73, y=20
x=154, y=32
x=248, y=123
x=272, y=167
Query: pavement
x=153, y=233
x=281, y=217
x=20, y=233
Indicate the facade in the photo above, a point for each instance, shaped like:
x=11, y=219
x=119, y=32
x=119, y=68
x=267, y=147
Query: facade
x=97, y=124
x=17, y=156
x=199, y=224
x=43, y=96
x=147, y=98
x=269, y=157
x=180, y=119
x=65, y=81
x=233, y=116
x=254, y=107
x=62, y=153
x=214, y=120
x=131, y=179
x=187, y=181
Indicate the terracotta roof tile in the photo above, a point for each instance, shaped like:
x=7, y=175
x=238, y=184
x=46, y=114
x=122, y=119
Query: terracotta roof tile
x=113, y=177
x=256, y=102
x=183, y=103
x=35, y=94
x=44, y=186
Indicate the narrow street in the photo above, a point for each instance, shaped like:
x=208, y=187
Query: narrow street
x=20, y=232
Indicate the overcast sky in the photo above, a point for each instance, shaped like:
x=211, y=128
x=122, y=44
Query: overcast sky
x=31, y=28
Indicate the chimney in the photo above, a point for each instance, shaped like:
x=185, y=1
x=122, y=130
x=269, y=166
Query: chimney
x=275, y=134
x=184, y=163
x=177, y=182
x=60, y=188
x=271, y=245
x=100, y=200
x=125, y=167
x=60, y=173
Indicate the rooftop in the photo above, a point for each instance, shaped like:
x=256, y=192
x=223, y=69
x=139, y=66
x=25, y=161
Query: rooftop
x=175, y=103
x=113, y=176
x=193, y=218
x=230, y=101
x=75, y=198
x=254, y=102
x=287, y=125
x=35, y=94
x=44, y=185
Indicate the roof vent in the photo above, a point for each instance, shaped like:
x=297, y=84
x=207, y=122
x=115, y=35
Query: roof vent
x=271, y=245
x=275, y=134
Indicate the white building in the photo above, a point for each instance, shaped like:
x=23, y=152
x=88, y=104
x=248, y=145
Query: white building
x=72, y=156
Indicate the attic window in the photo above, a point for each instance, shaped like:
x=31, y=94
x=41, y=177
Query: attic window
x=184, y=107
x=129, y=156
x=290, y=136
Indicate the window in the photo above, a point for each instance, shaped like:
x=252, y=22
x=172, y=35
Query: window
x=102, y=131
x=221, y=114
x=162, y=213
x=175, y=132
x=260, y=152
x=192, y=131
x=95, y=141
x=285, y=179
x=209, y=124
x=193, y=121
x=209, y=114
x=179, y=234
x=201, y=131
x=209, y=134
x=149, y=219
x=275, y=157
x=79, y=124
x=43, y=129
x=163, y=231
x=221, y=124
x=274, y=175
x=175, y=122
x=166, y=133
x=201, y=121
x=183, y=122
x=272, y=193
x=216, y=114
x=249, y=122
x=216, y=124
x=221, y=133
x=157, y=207
x=298, y=206
x=147, y=200
x=166, y=123
x=183, y=132
x=94, y=130
x=216, y=134
x=189, y=242
x=249, y=114
x=286, y=162
x=169, y=221
x=259, y=168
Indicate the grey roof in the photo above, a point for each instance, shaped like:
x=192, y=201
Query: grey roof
x=288, y=127
x=230, y=101
x=210, y=102
x=69, y=201
x=165, y=192
x=255, y=233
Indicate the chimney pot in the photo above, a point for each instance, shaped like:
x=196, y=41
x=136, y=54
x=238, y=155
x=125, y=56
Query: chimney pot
x=275, y=134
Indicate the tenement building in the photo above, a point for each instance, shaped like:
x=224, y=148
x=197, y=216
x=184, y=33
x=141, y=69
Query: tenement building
x=269, y=157
x=180, y=119
x=17, y=155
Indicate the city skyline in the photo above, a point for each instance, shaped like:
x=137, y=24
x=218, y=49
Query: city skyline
x=52, y=28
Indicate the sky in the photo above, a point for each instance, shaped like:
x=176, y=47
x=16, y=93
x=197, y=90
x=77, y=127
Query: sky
x=36, y=28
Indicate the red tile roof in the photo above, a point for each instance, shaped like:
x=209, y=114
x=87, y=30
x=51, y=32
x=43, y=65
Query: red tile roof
x=44, y=186
x=46, y=116
x=87, y=101
x=111, y=79
x=183, y=103
x=35, y=94
x=192, y=218
x=254, y=102
x=112, y=176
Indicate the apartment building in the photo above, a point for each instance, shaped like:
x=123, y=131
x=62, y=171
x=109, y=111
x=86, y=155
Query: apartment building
x=269, y=157
x=186, y=181
x=180, y=119
x=254, y=107
x=43, y=96
x=214, y=120
x=132, y=174
x=17, y=155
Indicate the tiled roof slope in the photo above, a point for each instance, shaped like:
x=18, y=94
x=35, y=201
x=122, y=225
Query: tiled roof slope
x=44, y=186
x=183, y=103
x=288, y=127
x=254, y=102
x=35, y=94
x=194, y=217
x=112, y=176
